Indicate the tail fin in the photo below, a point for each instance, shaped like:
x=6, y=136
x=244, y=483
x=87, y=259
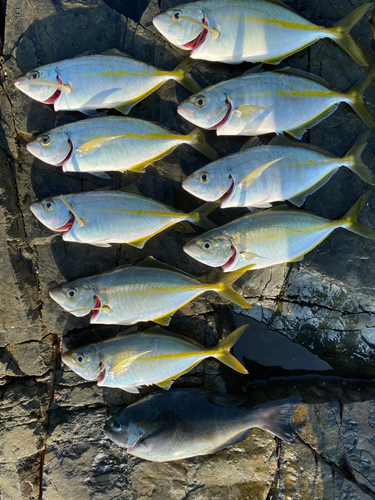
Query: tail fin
x=349, y=221
x=356, y=98
x=275, y=417
x=354, y=161
x=182, y=74
x=344, y=40
x=199, y=143
x=224, y=347
x=199, y=216
x=224, y=287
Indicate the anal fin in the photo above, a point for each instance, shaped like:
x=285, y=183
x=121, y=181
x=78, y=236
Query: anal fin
x=301, y=129
x=300, y=198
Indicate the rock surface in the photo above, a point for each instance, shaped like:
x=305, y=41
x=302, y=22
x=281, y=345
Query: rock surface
x=52, y=444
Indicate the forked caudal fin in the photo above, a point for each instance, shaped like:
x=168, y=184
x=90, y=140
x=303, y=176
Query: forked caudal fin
x=198, y=141
x=224, y=346
x=182, y=75
x=349, y=221
x=356, y=98
x=224, y=287
x=340, y=33
x=354, y=162
x=275, y=417
x=199, y=216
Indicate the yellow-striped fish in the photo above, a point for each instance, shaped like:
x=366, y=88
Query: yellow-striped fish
x=132, y=360
x=108, y=80
x=233, y=31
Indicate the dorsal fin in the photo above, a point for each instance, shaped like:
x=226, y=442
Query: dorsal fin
x=152, y=262
x=115, y=52
x=281, y=4
x=282, y=140
x=254, y=142
x=303, y=74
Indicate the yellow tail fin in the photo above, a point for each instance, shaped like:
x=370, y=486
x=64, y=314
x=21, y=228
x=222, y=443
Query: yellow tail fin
x=353, y=159
x=344, y=40
x=356, y=95
x=349, y=221
x=199, y=216
x=199, y=143
x=224, y=287
x=224, y=347
x=182, y=75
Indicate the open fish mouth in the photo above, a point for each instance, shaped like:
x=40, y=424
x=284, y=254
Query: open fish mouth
x=96, y=308
x=228, y=193
x=103, y=372
x=197, y=42
x=226, y=116
x=231, y=260
x=65, y=228
x=55, y=95
x=61, y=164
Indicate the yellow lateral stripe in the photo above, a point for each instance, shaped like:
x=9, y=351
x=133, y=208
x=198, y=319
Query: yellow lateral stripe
x=284, y=24
x=296, y=93
x=137, y=136
x=141, y=212
x=178, y=355
x=122, y=72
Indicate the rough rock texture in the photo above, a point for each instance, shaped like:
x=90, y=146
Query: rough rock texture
x=52, y=444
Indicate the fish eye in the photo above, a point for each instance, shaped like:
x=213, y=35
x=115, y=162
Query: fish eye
x=34, y=75
x=117, y=425
x=200, y=101
x=80, y=358
x=176, y=16
x=207, y=245
x=48, y=205
x=72, y=293
x=45, y=140
x=205, y=177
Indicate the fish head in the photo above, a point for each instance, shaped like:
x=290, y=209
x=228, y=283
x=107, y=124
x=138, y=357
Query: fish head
x=53, y=213
x=183, y=25
x=77, y=297
x=209, y=109
x=29, y=84
x=85, y=361
x=209, y=183
x=54, y=147
x=211, y=249
x=123, y=429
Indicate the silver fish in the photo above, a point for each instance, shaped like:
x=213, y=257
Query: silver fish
x=112, y=143
x=103, y=217
x=271, y=237
x=233, y=31
x=149, y=291
x=185, y=423
x=286, y=100
x=132, y=360
x=283, y=170
x=108, y=80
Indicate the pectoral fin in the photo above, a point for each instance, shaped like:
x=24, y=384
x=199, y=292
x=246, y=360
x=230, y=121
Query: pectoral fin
x=102, y=175
x=133, y=390
x=158, y=440
x=122, y=367
x=247, y=111
x=251, y=255
x=91, y=146
x=255, y=174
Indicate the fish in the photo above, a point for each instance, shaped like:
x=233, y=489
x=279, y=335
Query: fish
x=149, y=291
x=283, y=170
x=270, y=237
x=100, y=218
x=112, y=143
x=155, y=356
x=285, y=100
x=185, y=423
x=90, y=82
x=234, y=31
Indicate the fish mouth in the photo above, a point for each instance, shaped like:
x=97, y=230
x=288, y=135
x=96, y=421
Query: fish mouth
x=197, y=42
x=61, y=164
x=231, y=260
x=226, y=116
x=103, y=372
x=228, y=193
x=65, y=228
x=55, y=95
x=96, y=308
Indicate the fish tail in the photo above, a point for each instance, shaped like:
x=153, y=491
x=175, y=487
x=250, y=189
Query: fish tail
x=355, y=95
x=349, y=221
x=224, y=287
x=354, y=162
x=199, y=216
x=182, y=74
x=224, y=347
x=275, y=417
x=198, y=141
x=344, y=40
